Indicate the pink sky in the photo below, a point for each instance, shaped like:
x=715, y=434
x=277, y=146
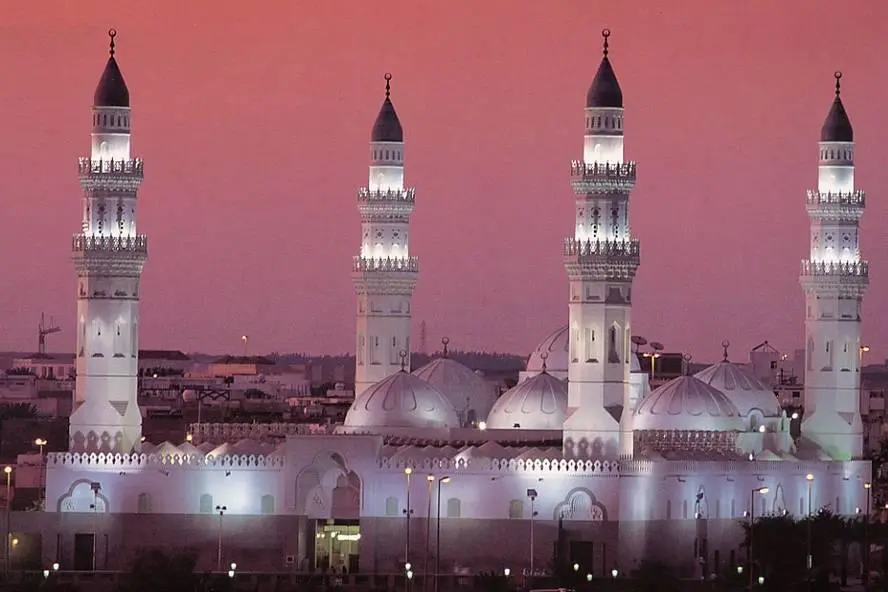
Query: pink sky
x=254, y=118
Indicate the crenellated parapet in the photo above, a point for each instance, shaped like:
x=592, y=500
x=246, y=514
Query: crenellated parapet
x=387, y=264
x=505, y=465
x=602, y=177
x=110, y=244
x=132, y=461
x=845, y=269
x=121, y=174
x=219, y=433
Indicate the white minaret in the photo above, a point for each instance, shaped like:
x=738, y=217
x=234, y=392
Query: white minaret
x=384, y=273
x=834, y=279
x=601, y=260
x=108, y=257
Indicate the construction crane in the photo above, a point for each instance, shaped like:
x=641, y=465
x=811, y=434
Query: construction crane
x=43, y=330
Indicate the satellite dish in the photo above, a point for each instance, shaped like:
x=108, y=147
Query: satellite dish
x=656, y=346
x=639, y=340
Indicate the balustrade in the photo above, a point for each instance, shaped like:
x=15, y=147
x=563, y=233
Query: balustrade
x=386, y=264
x=132, y=166
x=131, y=244
x=574, y=247
x=402, y=195
x=851, y=198
x=835, y=268
x=608, y=170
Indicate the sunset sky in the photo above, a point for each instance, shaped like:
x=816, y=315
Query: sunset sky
x=253, y=119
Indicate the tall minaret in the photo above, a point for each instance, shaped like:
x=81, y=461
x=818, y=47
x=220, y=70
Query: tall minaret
x=601, y=260
x=384, y=273
x=108, y=257
x=834, y=279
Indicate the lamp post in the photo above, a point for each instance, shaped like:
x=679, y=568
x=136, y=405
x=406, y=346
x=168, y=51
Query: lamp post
x=532, y=494
x=809, y=560
x=441, y=480
x=40, y=442
x=407, y=472
x=763, y=491
x=8, y=471
x=245, y=339
x=866, y=545
x=430, y=479
x=96, y=487
x=221, y=510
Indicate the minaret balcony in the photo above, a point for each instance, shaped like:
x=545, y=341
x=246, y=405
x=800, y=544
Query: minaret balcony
x=129, y=167
x=607, y=248
x=405, y=195
x=82, y=243
x=851, y=198
x=386, y=264
x=602, y=170
x=857, y=269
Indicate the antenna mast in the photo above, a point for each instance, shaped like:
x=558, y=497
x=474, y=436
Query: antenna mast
x=43, y=330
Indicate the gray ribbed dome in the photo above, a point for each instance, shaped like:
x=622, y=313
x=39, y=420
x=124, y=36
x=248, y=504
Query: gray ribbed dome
x=538, y=403
x=745, y=391
x=837, y=127
x=468, y=393
x=111, y=90
x=387, y=127
x=605, y=90
x=401, y=401
x=687, y=404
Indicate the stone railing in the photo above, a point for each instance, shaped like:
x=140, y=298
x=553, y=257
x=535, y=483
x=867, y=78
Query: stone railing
x=851, y=198
x=607, y=170
x=104, y=460
x=504, y=465
x=574, y=247
x=133, y=166
x=836, y=268
x=386, y=264
x=217, y=433
x=736, y=467
x=402, y=195
x=133, y=244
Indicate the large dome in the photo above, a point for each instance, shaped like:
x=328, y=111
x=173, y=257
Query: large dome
x=745, y=391
x=538, y=403
x=687, y=404
x=554, y=350
x=468, y=394
x=402, y=401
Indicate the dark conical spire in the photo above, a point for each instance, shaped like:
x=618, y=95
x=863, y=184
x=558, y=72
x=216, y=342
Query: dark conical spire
x=605, y=90
x=837, y=127
x=387, y=127
x=112, y=90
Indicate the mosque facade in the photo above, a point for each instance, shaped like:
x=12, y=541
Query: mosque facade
x=580, y=460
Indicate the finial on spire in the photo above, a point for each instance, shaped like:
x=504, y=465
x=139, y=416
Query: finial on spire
x=403, y=354
x=544, y=356
x=112, y=33
x=605, y=33
x=444, y=342
x=388, y=86
x=685, y=364
x=725, y=345
x=838, y=75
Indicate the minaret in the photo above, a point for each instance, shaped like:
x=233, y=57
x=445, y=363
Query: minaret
x=108, y=257
x=601, y=260
x=384, y=273
x=834, y=279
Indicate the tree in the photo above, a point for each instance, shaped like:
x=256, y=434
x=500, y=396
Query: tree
x=154, y=569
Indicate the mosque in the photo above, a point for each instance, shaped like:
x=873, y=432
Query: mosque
x=581, y=460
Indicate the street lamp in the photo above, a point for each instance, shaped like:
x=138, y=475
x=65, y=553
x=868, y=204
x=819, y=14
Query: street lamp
x=441, y=480
x=407, y=472
x=221, y=510
x=430, y=479
x=615, y=572
x=810, y=559
x=8, y=471
x=40, y=442
x=866, y=545
x=245, y=339
x=532, y=494
x=762, y=491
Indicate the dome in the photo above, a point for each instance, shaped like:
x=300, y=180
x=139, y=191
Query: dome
x=744, y=390
x=401, y=401
x=605, y=90
x=553, y=350
x=468, y=394
x=687, y=404
x=387, y=127
x=837, y=127
x=111, y=90
x=538, y=403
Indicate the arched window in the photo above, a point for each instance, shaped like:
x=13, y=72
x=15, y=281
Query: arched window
x=391, y=506
x=206, y=504
x=453, y=508
x=267, y=504
x=516, y=509
x=144, y=505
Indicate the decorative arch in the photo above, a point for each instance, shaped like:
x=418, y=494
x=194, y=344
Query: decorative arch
x=327, y=488
x=701, y=504
x=580, y=504
x=80, y=497
x=779, y=506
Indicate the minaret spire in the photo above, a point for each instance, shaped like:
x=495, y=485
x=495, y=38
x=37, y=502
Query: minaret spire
x=384, y=273
x=725, y=345
x=605, y=33
x=834, y=278
x=112, y=33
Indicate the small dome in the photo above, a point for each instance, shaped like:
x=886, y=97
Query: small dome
x=553, y=350
x=538, y=403
x=837, y=127
x=112, y=90
x=605, y=90
x=401, y=401
x=387, y=127
x=687, y=404
x=466, y=391
x=745, y=391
